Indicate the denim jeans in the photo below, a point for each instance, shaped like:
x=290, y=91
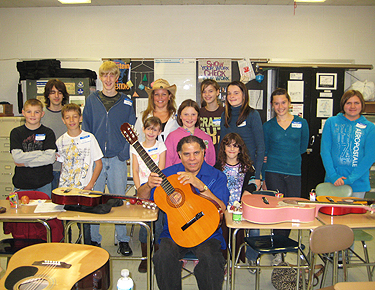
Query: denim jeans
x=45, y=188
x=56, y=179
x=115, y=175
x=251, y=254
x=158, y=229
x=209, y=272
x=289, y=185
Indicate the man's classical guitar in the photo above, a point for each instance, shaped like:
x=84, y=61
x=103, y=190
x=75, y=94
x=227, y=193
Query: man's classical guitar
x=58, y=266
x=192, y=218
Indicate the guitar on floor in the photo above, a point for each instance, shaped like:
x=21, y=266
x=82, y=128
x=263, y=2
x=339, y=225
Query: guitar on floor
x=76, y=196
x=59, y=266
x=192, y=218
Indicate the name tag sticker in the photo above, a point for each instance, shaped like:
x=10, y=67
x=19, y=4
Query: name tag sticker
x=216, y=121
x=128, y=102
x=85, y=139
x=40, y=137
x=243, y=124
x=361, y=126
x=296, y=125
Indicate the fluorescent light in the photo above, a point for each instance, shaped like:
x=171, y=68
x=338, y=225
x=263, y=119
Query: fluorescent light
x=310, y=1
x=74, y=1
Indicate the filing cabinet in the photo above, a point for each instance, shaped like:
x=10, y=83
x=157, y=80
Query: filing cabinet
x=6, y=160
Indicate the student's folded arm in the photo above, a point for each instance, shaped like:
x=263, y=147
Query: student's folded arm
x=34, y=158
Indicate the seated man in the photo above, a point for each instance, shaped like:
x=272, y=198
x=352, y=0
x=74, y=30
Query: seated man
x=211, y=183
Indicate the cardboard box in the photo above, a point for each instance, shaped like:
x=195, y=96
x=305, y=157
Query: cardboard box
x=6, y=110
x=370, y=107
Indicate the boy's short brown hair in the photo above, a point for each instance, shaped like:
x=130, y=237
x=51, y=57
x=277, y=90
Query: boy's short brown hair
x=32, y=102
x=152, y=122
x=71, y=107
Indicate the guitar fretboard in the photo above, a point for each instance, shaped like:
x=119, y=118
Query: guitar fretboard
x=165, y=184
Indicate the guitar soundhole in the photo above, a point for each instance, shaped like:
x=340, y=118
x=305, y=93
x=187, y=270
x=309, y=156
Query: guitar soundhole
x=34, y=283
x=176, y=199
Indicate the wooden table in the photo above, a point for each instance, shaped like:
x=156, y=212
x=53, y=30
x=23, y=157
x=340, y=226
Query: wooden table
x=354, y=221
x=25, y=213
x=125, y=214
x=354, y=285
x=236, y=226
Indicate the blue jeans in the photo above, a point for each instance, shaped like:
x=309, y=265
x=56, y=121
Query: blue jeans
x=251, y=254
x=158, y=229
x=56, y=179
x=289, y=185
x=47, y=189
x=115, y=175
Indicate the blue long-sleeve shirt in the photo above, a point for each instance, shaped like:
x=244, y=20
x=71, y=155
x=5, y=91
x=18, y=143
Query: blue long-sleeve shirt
x=251, y=132
x=348, y=149
x=284, y=147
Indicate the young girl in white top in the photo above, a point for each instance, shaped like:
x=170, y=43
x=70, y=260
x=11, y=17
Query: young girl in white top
x=157, y=150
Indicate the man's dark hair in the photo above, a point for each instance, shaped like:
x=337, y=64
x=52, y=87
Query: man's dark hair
x=191, y=139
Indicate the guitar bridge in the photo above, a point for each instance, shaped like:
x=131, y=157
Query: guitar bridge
x=193, y=220
x=56, y=264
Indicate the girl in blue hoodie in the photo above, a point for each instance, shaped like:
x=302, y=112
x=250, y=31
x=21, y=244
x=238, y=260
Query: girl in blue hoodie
x=348, y=145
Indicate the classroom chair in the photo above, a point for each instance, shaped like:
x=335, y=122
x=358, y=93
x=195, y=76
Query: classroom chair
x=330, y=239
x=328, y=189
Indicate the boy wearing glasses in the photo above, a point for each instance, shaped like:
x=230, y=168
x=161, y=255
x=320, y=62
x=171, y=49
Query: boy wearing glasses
x=56, y=96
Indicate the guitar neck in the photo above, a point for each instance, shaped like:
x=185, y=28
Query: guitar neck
x=166, y=185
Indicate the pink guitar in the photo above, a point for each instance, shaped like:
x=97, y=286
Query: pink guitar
x=264, y=209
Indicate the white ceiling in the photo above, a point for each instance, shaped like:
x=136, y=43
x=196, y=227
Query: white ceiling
x=55, y=3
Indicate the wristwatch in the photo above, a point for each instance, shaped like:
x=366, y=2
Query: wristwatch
x=205, y=188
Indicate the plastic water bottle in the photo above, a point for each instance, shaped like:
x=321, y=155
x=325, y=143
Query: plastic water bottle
x=125, y=282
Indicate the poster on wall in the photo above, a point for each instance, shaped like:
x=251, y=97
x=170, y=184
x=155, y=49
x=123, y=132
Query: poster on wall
x=123, y=84
x=219, y=70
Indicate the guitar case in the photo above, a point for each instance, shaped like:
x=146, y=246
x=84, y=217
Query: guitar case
x=99, y=209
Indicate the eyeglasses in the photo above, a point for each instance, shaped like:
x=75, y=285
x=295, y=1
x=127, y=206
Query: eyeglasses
x=55, y=92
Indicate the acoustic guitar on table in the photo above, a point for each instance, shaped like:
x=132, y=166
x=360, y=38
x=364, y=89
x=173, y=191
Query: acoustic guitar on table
x=76, y=196
x=192, y=218
x=264, y=209
x=59, y=266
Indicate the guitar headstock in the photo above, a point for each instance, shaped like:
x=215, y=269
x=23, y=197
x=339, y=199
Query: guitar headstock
x=129, y=133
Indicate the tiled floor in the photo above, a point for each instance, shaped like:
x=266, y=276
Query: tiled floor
x=244, y=280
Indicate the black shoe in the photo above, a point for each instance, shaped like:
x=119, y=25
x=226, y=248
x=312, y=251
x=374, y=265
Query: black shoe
x=124, y=249
x=142, y=268
x=96, y=244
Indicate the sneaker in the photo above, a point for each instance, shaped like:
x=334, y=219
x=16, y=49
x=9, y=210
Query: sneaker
x=142, y=268
x=96, y=244
x=226, y=273
x=252, y=264
x=278, y=258
x=124, y=249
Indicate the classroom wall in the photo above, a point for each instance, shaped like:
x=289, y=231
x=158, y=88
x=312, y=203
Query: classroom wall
x=81, y=36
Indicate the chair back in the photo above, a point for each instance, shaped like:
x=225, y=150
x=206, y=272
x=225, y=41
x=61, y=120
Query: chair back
x=32, y=194
x=327, y=188
x=331, y=238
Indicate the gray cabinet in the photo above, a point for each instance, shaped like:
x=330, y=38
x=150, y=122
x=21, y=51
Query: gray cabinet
x=6, y=160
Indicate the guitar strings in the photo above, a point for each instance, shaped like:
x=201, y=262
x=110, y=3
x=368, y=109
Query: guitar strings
x=47, y=272
x=166, y=185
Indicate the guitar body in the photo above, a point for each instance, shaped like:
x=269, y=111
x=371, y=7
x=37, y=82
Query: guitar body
x=182, y=207
x=277, y=211
x=334, y=210
x=84, y=261
x=75, y=196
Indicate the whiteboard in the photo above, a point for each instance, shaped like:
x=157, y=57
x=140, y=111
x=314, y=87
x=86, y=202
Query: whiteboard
x=181, y=72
